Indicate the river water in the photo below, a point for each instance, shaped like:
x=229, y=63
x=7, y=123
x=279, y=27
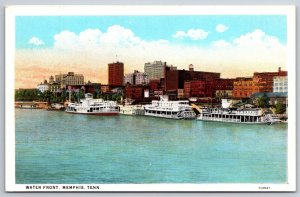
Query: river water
x=60, y=148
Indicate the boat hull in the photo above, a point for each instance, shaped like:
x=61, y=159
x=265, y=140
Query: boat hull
x=96, y=113
x=176, y=117
x=222, y=121
x=168, y=117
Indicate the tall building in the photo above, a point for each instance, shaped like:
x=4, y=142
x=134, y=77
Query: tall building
x=155, y=70
x=128, y=78
x=140, y=78
x=280, y=84
x=136, y=78
x=69, y=79
x=115, y=74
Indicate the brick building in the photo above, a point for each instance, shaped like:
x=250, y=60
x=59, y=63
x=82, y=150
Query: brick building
x=196, y=88
x=136, y=92
x=224, y=88
x=263, y=82
x=174, y=79
x=208, y=88
x=243, y=87
x=156, y=88
x=115, y=74
x=155, y=85
x=260, y=82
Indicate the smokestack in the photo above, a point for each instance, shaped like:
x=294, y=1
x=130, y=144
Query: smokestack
x=279, y=69
x=191, y=67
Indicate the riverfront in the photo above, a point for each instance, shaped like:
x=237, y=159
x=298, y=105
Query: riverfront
x=60, y=148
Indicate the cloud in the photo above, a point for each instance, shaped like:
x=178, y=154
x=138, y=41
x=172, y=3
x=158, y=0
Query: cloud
x=220, y=44
x=257, y=38
x=194, y=34
x=89, y=52
x=35, y=41
x=119, y=35
x=66, y=39
x=90, y=37
x=179, y=34
x=221, y=28
x=115, y=36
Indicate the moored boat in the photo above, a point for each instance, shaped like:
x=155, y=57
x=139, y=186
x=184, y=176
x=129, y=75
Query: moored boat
x=56, y=107
x=235, y=115
x=132, y=110
x=170, y=109
x=91, y=106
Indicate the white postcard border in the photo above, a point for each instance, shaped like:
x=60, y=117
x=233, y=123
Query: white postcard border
x=13, y=11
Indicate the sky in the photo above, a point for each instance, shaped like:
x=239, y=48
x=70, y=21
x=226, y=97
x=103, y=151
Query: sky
x=232, y=45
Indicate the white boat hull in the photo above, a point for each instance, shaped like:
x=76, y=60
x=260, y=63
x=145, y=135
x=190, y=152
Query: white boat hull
x=95, y=113
x=178, y=115
x=230, y=121
x=250, y=116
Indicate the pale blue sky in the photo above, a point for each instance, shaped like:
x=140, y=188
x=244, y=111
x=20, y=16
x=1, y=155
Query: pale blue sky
x=149, y=28
x=242, y=44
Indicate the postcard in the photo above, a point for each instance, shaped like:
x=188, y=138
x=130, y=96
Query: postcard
x=150, y=98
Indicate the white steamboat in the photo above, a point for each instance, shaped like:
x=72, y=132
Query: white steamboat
x=233, y=115
x=131, y=109
x=91, y=106
x=170, y=109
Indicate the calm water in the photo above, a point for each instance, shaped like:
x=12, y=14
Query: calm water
x=55, y=147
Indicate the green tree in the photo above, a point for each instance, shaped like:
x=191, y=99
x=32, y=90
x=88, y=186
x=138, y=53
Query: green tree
x=53, y=98
x=119, y=98
x=73, y=96
x=28, y=94
x=114, y=97
x=97, y=92
x=47, y=96
x=63, y=96
x=263, y=101
x=80, y=94
x=280, y=108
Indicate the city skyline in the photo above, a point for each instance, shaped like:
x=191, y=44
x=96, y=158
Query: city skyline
x=235, y=46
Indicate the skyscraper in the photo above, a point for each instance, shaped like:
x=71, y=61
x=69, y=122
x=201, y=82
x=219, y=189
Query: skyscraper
x=116, y=73
x=155, y=70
